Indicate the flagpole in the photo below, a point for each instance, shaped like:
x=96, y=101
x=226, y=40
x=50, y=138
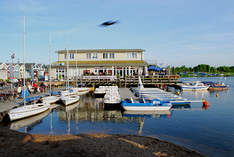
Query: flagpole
x=24, y=58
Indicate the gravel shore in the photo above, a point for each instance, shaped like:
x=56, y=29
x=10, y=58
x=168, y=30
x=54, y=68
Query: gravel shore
x=16, y=144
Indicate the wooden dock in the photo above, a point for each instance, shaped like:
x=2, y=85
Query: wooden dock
x=150, y=81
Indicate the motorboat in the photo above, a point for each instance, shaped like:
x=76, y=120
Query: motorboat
x=215, y=86
x=100, y=92
x=197, y=85
x=145, y=105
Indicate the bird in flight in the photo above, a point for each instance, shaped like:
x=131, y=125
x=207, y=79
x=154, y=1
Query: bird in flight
x=109, y=23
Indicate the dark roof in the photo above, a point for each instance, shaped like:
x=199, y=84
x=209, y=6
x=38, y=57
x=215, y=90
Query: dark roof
x=101, y=50
x=102, y=63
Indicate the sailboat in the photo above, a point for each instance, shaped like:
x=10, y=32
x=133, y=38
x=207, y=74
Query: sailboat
x=68, y=96
x=26, y=110
x=50, y=99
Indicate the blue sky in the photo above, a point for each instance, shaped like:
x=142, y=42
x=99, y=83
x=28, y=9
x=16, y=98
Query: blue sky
x=173, y=32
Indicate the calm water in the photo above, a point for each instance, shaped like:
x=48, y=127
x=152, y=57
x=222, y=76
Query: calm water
x=209, y=131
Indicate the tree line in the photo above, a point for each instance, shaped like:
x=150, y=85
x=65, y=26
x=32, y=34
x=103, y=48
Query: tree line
x=204, y=68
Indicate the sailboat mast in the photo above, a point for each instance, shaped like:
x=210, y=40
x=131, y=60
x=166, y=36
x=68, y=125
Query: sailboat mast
x=24, y=58
x=50, y=62
x=67, y=71
x=76, y=72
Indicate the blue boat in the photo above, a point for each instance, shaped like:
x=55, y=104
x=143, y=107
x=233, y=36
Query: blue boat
x=145, y=105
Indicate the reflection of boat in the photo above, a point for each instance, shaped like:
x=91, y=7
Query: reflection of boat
x=146, y=113
x=70, y=107
x=181, y=107
x=145, y=105
x=28, y=121
x=197, y=85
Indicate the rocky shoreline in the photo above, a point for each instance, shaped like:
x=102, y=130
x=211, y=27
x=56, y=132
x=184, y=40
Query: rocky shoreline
x=13, y=143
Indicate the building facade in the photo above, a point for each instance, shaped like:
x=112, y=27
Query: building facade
x=111, y=62
x=16, y=71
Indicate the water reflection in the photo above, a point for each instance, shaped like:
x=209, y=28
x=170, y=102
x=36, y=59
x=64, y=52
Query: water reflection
x=91, y=115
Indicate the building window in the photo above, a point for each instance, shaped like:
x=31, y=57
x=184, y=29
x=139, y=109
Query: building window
x=112, y=55
x=105, y=55
x=91, y=55
x=94, y=55
x=65, y=56
x=132, y=55
x=88, y=55
x=71, y=55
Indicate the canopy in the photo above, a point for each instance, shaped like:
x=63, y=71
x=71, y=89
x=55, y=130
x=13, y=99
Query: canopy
x=154, y=68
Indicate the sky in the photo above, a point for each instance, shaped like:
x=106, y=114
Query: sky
x=172, y=32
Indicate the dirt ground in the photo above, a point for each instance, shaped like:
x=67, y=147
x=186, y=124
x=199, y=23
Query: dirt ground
x=16, y=144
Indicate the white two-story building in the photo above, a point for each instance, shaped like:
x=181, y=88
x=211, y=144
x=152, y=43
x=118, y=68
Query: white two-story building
x=112, y=62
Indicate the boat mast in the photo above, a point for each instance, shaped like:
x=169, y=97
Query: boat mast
x=76, y=71
x=24, y=59
x=67, y=70
x=50, y=61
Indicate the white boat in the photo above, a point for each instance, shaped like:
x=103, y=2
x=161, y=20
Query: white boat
x=27, y=111
x=80, y=90
x=71, y=99
x=50, y=99
x=67, y=92
x=197, y=85
x=112, y=100
x=28, y=121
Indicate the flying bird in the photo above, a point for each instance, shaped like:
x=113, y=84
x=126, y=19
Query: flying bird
x=108, y=23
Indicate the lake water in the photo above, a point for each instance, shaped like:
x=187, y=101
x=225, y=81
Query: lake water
x=207, y=130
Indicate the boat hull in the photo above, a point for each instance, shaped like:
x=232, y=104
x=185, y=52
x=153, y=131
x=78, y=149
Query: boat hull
x=218, y=88
x=99, y=95
x=27, y=111
x=68, y=100
x=190, y=88
x=50, y=99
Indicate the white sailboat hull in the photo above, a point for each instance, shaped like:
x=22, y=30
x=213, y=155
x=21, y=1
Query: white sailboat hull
x=50, y=99
x=68, y=100
x=27, y=111
x=28, y=121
